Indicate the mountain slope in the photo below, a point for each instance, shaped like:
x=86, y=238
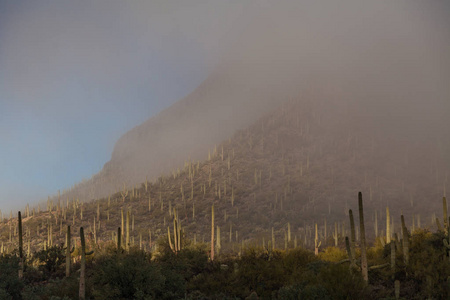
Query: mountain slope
x=218, y=107
x=301, y=164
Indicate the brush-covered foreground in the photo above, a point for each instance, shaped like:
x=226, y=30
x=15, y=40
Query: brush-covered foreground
x=254, y=273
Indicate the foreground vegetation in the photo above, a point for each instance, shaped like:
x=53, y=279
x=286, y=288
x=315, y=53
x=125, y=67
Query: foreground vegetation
x=254, y=273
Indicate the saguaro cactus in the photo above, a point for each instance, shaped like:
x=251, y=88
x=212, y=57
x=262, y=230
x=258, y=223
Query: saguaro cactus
x=119, y=236
x=364, y=269
x=20, y=246
x=405, y=241
x=170, y=240
x=388, y=226
x=218, y=245
x=82, y=291
x=376, y=225
x=350, y=254
x=176, y=246
x=352, y=234
x=212, y=232
x=446, y=241
x=393, y=259
x=444, y=208
x=273, y=240
x=335, y=234
x=317, y=243
x=68, y=252
x=397, y=289
x=127, y=238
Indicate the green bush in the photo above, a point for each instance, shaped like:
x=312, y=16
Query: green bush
x=10, y=285
x=51, y=261
x=126, y=276
x=260, y=271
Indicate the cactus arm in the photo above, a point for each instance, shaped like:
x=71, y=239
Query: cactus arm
x=379, y=266
x=170, y=241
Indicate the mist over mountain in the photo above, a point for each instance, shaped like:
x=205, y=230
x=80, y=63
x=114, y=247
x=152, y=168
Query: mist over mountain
x=313, y=117
x=385, y=66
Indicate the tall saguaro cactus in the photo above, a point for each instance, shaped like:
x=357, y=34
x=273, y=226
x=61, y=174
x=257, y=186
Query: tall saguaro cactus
x=444, y=208
x=405, y=241
x=20, y=246
x=364, y=269
x=335, y=234
x=388, y=226
x=352, y=234
x=393, y=260
x=176, y=246
x=212, y=232
x=68, y=252
x=127, y=238
x=273, y=240
x=350, y=254
x=119, y=236
x=446, y=242
x=82, y=291
x=317, y=243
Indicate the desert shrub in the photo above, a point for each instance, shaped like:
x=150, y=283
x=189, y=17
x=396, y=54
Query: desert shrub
x=216, y=278
x=260, y=271
x=429, y=265
x=291, y=292
x=333, y=254
x=10, y=285
x=299, y=292
x=295, y=263
x=126, y=276
x=32, y=292
x=182, y=267
x=341, y=283
x=315, y=292
x=51, y=261
x=65, y=288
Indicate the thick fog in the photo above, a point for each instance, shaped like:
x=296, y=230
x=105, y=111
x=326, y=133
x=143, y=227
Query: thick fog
x=388, y=62
x=391, y=58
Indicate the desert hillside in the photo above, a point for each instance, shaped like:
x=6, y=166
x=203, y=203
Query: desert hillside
x=301, y=164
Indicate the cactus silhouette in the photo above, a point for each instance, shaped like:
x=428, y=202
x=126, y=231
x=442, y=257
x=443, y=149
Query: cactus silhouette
x=82, y=290
x=68, y=252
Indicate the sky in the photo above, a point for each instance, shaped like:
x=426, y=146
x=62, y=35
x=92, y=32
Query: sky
x=76, y=75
